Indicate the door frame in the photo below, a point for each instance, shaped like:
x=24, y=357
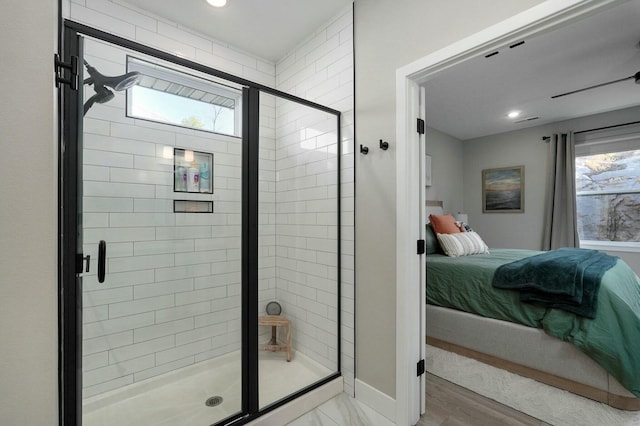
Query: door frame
x=409, y=307
x=70, y=226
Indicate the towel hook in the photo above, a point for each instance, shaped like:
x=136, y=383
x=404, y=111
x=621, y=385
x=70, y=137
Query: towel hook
x=384, y=145
x=364, y=150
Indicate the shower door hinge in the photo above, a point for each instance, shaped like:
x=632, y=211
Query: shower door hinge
x=59, y=68
x=420, y=246
x=420, y=368
x=420, y=126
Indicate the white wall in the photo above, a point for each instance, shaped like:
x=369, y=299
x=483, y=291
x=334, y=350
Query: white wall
x=524, y=147
x=28, y=216
x=447, y=170
x=388, y=35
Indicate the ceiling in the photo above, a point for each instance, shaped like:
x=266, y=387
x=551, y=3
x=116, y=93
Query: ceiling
x=472, y=99
x=268, y=29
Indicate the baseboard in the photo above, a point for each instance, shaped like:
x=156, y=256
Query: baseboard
x=301, y=405
x=378, y=401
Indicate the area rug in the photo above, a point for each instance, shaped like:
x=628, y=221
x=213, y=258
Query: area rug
x=549, y=404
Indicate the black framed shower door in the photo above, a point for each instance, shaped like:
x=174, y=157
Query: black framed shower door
x=83, y=258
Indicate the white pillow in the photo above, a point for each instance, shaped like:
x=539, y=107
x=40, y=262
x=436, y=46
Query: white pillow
x=462, y=244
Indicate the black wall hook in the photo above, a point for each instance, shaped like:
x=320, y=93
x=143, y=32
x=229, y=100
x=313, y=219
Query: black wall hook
x=384, y=145
x=364, y=150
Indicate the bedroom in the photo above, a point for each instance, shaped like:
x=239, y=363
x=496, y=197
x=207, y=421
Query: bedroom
x=512, y=80
x=521, y=144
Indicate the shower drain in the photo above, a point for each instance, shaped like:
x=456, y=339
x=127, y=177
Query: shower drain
x=213, y=401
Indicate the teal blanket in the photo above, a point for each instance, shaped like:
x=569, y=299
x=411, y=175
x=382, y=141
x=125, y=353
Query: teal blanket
x=612, y=338
x=567, y=279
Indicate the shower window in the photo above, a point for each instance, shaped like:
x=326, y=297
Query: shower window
x=171, y=97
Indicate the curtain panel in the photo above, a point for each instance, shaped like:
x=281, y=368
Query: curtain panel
x=560, y=224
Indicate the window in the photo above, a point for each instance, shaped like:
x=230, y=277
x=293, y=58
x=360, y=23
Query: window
x=176, y=98
x=608, y=190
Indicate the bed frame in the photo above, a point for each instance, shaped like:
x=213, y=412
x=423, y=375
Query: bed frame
x=525, y=351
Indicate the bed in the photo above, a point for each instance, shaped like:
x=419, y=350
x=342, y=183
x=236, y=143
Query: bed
x=589, y=357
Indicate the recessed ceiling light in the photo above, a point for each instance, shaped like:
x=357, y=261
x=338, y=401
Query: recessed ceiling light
x=513, y=114
x=217, y=3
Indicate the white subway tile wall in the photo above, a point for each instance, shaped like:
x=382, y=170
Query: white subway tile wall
x=305, y=168
x=193, y=260
x=171, y=297
x=320, y=69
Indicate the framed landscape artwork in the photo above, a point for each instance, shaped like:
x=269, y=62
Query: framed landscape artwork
x=503, y=190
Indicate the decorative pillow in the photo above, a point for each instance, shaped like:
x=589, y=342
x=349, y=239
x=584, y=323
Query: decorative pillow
x=444, y=224
x=462, y=244
x=431, y=242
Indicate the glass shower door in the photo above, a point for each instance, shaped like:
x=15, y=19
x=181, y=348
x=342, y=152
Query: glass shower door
x=298, y=291
x=161, y=219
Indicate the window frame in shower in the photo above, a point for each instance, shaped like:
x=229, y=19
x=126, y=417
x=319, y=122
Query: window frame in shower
x=70, y=225
x=183, y=81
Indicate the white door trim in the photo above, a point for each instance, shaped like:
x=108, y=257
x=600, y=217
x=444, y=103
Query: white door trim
x=543, y=17
x=408, y=304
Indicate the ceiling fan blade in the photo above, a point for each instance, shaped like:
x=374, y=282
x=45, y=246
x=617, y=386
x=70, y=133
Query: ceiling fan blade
x=593, y=87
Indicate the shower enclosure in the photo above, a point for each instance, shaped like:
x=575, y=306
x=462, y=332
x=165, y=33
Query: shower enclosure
x=190, y=199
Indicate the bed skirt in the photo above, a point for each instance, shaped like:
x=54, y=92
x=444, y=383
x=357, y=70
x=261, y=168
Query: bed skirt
x=526, y=351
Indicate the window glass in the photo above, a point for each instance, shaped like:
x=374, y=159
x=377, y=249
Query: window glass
x=168, y=96
x=608, y=196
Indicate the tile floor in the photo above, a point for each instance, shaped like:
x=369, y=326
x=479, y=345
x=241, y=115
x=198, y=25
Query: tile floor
x=342, y=410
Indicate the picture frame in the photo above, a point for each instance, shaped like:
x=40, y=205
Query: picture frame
x=503, y=190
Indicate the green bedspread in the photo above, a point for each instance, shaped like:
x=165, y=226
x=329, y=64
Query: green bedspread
x=612, y=338
x=567, y=279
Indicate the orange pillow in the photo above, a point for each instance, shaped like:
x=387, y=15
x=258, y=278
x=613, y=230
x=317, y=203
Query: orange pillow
x=444, y=224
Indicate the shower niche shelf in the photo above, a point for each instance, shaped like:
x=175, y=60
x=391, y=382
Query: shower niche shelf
x=192, y=206
x=192, y=171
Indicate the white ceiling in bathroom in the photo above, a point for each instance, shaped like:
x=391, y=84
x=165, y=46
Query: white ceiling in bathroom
x=266, y=28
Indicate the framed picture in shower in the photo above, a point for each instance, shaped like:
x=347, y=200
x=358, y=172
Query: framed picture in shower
x=503, y=190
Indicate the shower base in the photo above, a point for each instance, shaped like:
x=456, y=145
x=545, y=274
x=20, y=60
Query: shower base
x=179, y=397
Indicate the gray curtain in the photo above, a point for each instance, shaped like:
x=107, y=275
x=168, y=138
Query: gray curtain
x=560, y=224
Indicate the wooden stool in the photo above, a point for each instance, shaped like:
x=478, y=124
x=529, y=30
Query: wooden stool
x=276, y=321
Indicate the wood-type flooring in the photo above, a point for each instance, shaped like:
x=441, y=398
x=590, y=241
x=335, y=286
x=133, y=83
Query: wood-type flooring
x=451, y=405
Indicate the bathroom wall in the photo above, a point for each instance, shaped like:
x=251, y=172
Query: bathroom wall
x=321, y=69
x=135, y=24
x=172, y=293
x=28, y=216
x=306, y=227
x=172, y=296
x=390, y=34
x=267, y=275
